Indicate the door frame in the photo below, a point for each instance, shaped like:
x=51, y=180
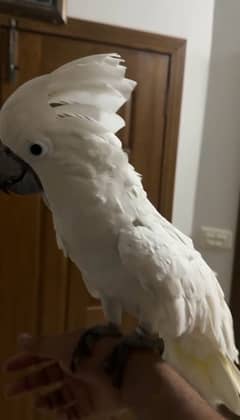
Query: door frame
x=174, y=48
x=235, y=289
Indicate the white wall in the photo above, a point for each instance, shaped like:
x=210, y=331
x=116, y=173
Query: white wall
x=219, y=177
x=189, y=19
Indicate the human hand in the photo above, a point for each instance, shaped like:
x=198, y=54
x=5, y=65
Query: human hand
x=43, y=364
x=150, y=385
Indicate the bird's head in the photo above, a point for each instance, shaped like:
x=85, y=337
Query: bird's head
x=43, y=123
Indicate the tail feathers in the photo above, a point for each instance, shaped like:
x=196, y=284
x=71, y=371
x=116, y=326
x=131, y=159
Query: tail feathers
x=226, y=378
x=215, y=376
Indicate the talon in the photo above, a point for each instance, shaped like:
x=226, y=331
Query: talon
x=88, y=340
x=116, y=363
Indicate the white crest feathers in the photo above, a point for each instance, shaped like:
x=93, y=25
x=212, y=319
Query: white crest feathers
x=92, y=88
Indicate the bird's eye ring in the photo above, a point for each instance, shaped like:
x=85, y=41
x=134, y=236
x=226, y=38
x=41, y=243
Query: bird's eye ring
x=38, y=149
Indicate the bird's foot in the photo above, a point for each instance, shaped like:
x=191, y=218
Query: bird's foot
x=116, y=363
x=89, y=338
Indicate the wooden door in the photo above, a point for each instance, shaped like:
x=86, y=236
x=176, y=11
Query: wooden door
x=40, y=291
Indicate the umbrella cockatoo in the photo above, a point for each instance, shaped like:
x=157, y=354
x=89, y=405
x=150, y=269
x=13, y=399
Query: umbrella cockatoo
x=58, y=137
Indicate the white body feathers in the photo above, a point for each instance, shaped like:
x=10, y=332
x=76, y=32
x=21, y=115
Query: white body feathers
x=130, y=256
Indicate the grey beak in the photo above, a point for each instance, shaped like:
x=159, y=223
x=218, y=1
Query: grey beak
x=16, y=175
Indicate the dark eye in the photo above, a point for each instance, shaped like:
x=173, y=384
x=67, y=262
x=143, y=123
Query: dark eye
x=36, y=149
x=39, y=149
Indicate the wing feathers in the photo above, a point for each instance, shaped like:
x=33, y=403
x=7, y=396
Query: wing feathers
x=186, y=290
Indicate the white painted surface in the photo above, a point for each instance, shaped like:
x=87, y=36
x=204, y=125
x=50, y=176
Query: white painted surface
x=189, y=19
x=219, y=177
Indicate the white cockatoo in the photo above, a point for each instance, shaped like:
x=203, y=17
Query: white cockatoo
x=58, y=136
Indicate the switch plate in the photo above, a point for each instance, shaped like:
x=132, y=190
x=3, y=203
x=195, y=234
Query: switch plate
x=216, y=238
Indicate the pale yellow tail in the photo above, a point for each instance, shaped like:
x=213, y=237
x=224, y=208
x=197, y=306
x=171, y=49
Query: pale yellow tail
x=214, y=375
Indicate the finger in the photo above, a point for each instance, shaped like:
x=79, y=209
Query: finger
x=81, y=408
x=56, y=400
x=23, y=361
x=48, y=376
x=35, y=345
x=75, y=412
x=58, y=406
x=72, y=413
x=78, y=409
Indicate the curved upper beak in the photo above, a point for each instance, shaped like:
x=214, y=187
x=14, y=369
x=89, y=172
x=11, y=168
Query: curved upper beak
x=16, y=175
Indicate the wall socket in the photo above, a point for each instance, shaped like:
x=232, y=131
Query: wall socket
x=216, y=238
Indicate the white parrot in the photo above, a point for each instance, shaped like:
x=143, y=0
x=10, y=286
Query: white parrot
x=58, y=136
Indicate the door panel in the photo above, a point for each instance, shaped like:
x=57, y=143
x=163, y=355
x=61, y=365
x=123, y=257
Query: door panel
x=40, y=291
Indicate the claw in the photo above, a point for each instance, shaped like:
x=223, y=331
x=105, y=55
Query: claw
x=116, y=363
x=88, y=339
